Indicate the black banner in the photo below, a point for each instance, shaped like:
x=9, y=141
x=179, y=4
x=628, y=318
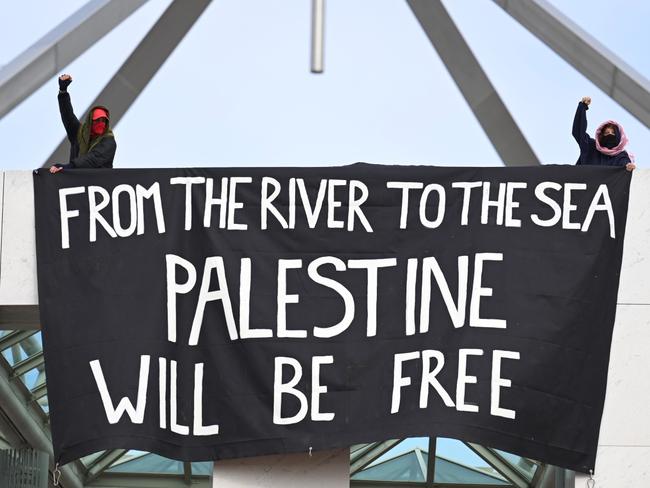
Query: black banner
x=205, y=314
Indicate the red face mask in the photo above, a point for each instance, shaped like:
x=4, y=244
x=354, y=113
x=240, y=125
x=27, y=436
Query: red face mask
x=98, y=127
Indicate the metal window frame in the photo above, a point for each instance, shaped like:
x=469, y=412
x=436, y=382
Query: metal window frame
x=509, y=472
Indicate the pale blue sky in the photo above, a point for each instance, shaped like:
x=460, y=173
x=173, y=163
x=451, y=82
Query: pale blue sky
x=238, y=90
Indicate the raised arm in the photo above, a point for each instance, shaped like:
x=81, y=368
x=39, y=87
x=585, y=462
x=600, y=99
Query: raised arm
x=580, y=125
x=69, y=119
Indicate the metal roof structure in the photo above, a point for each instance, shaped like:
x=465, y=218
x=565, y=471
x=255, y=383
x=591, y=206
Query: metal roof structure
x=412, y=466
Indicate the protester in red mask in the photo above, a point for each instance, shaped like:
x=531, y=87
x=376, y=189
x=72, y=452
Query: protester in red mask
x=92, y=144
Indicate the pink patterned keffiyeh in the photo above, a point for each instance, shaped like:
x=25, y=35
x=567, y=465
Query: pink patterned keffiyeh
x=621, y=145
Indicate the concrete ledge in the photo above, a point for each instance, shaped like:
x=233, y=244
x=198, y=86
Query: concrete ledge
x=18, y=284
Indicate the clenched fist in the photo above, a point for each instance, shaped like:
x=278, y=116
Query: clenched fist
x=586, y=100
x=64, y=81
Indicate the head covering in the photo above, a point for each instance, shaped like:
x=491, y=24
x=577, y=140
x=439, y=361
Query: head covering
x=100, y=112
x=86, y=142
x=620, y=137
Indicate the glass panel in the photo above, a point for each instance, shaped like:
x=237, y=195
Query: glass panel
x=4, y=333
x=25, y=349
x=44, y=404
x=33, y=376
x=13, y=354
x=202, y=469
x=128, y=457
x=458, y=464
x=407, y=461
x=357, y=447
x=32, y=345
x=525, y=466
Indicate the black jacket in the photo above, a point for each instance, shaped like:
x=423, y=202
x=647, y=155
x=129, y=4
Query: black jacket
x=100, y=155
x=588, y=152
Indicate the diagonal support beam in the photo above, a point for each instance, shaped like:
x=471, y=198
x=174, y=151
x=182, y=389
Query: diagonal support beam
x=354, y=456
x=376, y=451
x=422, y=463
x=103, y=462
x=59, y=47
x=499, y=464
x=473, y=83
x=143, y=63
x=585, y=53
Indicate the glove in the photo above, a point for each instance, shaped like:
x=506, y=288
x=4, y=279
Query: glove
x=63, y=83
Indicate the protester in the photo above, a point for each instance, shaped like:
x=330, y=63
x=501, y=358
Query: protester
x=92, y=144
x=608, y=147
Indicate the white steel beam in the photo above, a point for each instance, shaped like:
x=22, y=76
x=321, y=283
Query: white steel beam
x=499, y=464
x=473, y=83
x=317, y=35
x=585, y=53
x=377, y=450
x=46, y=57
x=143, y=63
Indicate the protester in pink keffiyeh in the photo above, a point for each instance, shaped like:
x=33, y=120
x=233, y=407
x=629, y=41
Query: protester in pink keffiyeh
x=608, y=146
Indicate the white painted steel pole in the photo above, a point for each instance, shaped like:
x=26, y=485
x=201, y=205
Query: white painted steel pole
x=317, y=35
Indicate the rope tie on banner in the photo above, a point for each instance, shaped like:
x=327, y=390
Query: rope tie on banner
x=310, y=451
x=591, y=482
x=56, y=475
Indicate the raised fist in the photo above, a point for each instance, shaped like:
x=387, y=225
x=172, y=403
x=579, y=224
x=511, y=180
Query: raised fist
x=586, y=100
x=64, y=81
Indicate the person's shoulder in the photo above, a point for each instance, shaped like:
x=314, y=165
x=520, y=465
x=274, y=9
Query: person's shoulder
x=108, y=142
x=108, y=139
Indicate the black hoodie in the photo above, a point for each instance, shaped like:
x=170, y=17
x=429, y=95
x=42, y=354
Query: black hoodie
x=589, y=154
x=101, y=151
